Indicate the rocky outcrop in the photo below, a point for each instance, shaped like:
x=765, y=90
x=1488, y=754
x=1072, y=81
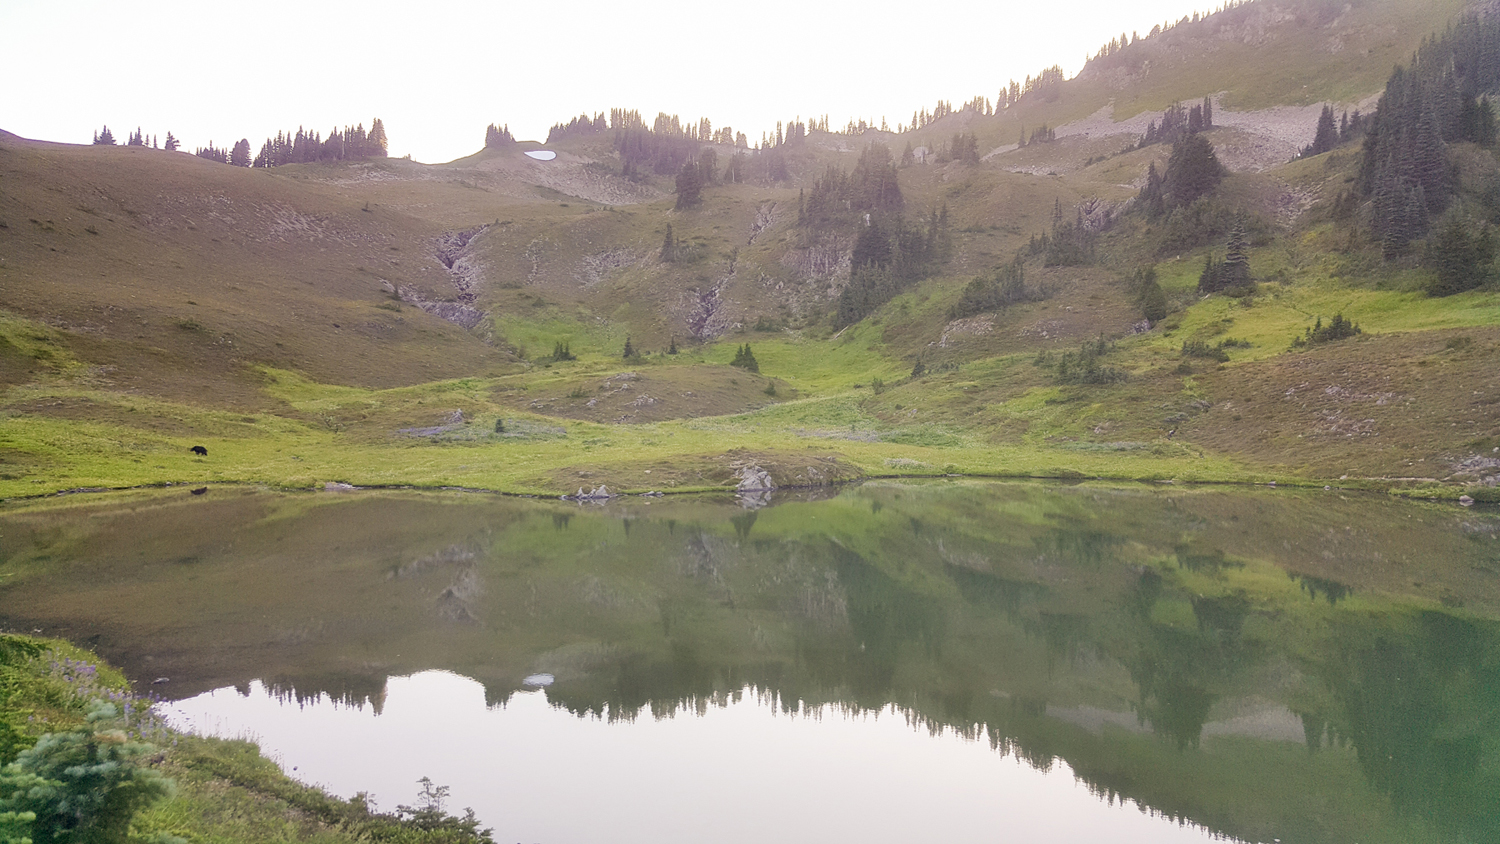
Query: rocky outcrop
x=754, y=479
x=464, y=272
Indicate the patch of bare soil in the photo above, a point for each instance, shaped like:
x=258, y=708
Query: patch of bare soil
x=1261, y=139
x=572, y=175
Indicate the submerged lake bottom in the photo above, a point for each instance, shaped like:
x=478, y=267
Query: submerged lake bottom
x=894, y=661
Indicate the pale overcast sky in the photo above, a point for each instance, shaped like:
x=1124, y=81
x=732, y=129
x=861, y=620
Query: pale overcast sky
x=438, y=72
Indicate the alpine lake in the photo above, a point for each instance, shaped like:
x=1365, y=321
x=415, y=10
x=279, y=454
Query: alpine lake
x=915, y=661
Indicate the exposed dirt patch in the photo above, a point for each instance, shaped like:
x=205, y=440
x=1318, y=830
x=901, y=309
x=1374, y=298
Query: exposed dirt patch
x=1244, y=140
x=570, y=174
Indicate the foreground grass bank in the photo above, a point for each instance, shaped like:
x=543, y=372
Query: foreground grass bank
x=161, y=786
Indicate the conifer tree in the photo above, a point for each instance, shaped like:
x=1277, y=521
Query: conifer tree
x=1236, y=268
x=377, y=145
x=239, y=156
x=1153, y=196
x=669, y=246
x=105, y=137
x=1325, y=137
x=689, y=186
x=172, y=143
x=1461, y=253
x=1149, y=297
x=1193, y=171
x=745, y=359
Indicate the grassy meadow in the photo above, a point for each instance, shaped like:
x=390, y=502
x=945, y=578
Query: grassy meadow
x=316, y=323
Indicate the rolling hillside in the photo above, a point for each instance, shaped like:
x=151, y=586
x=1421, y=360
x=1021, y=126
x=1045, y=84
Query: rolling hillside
x=383, y=322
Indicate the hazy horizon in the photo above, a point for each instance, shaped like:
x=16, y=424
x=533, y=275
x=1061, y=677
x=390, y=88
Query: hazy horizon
x=210, y=74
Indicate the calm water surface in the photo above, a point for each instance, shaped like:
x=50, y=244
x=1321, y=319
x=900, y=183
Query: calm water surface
x=743, y=769
x=893, y=662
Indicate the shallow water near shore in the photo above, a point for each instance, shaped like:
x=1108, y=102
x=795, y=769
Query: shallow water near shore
x=886, y=662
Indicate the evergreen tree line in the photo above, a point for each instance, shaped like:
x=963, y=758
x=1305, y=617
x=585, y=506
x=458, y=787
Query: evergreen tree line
x=671, y=126
x=1193, y=171
x=1115, y=45
x=1042, y=134
x=701, y=171
x=837, y=198
x=1045, y=85
x=643, y=152
x=963, y=146
x=105, y=137
x=890, y=254
x=1330, y=134
x=979, y=105
x=1232, y=273
x=996, y=290
x=496, y=136
x=1084, y=366
x=1177, y=121
x=1437, y=101
x=580, y=125
x=745, y=359
x=1071, y=243
x=303, y=147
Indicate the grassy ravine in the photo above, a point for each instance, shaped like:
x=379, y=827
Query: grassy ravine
x=226, y=791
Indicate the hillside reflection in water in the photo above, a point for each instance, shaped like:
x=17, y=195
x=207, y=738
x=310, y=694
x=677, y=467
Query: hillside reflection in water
x=740, y=771
x=1304, y=665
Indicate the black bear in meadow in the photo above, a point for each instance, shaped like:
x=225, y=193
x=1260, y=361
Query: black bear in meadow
x=199, y=491
x=200, y=451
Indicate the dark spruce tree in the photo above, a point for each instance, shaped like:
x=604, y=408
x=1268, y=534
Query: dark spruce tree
x=1461, y=254
x=1436, y=101
x=689, y=185
x=377, y=145
x=1149, y=296
x=997, y=290
x=1325, y=136
x=239, y=156
x=499, y=136
x=669, y=246
x=1231, y=275
x=1193, y=171
x=104, y=137
x=745, y=359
